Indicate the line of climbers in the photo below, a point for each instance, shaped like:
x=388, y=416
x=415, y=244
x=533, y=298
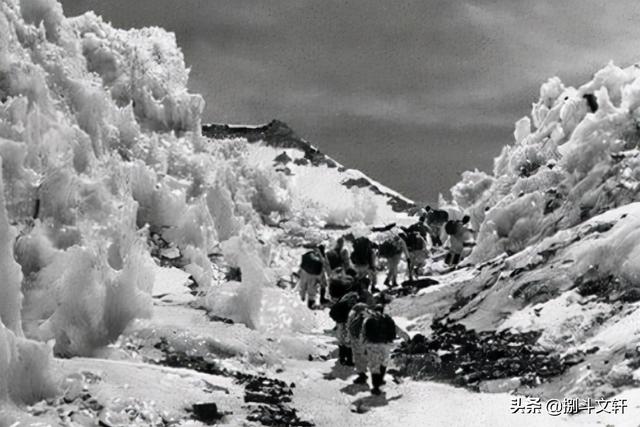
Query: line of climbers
x=347, y=279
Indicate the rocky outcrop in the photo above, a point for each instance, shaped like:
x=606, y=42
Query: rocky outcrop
x=278, y=134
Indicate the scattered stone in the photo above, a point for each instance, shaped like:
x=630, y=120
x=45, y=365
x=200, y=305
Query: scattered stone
x=466, y=357
x=601, y=227
x=277, y=416
x=331, y=226
x=206, y=412
x=282, y=158
x=268, y=398
x=606, y=287
x=233, y=274
x=215, y=318
x=285, y=170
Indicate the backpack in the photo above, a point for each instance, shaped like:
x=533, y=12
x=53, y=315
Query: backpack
x=362, y=250
x=379, y=328
x=451, y=227
x=437, y=217
x=335, y=260
x=340, y=311
x=418, y=227
x=312, y=263
x=414, y=242
x=340, y=286
x=390, y=248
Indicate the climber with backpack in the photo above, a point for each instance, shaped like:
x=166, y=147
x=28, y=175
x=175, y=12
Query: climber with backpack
x=324, y=277
x=418, y=253
x=461, y=240
x=341, y=284
x=355, y=320
x=392, y=250
x=435, y=220
x=378, y=333
x=340, y=314
x=363, y=258
x=338, y=257
x=312, y=270
x=420, y=226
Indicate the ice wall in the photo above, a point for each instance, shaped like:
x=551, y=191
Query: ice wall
x=574, y=158
x=24, y=374
x=100, y=144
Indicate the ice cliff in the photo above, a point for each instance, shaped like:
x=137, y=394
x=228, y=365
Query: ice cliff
x=101, y=147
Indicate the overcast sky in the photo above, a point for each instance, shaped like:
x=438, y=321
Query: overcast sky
x=410, y=92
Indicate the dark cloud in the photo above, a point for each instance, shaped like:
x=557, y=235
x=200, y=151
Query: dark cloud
x=411, y=92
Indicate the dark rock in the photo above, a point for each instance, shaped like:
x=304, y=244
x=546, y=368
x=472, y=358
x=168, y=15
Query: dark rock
x=215, y=318
x=268, y=398
x=282, y=158
x=285, y=171
x=466, y=357
x=592, y=350
x=361, y=182
x=233, y=274
x=601, y=227
x=206, y=412
x=631, y=295
x=330, y=226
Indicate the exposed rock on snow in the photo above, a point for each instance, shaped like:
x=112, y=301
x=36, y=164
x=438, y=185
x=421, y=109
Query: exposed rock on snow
x=468, y=358
x=278, y=135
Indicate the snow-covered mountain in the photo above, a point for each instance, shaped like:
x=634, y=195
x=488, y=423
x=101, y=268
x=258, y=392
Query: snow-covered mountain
x=147, y=260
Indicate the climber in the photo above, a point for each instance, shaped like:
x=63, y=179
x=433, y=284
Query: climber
x=393, y=249
x=324, y=277
x=420, y=226
x=418, y=253
x=355, y=320
x=363, y=258
x=338, y=257
x=312, y=270
x=461, y=240
x=341, y=284
x=435, y=220
x=377, y=335
x=340, y=314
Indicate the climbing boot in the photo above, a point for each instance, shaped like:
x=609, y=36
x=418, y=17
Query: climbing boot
x=376, y=381
x=323, y=299
x=342, y=355
x=362, y=378
x=348, y=356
